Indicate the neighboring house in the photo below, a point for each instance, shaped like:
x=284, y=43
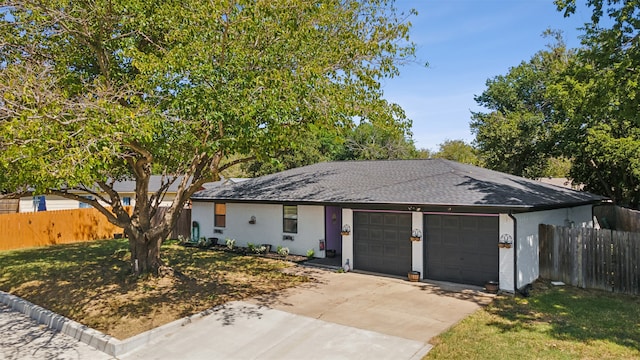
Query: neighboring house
x=461, y=212
x=126, y=189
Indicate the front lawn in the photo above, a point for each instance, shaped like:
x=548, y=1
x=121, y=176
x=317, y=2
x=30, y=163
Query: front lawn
x=554, y=323
x=91, y=283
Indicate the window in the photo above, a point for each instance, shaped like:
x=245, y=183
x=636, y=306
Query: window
x=220, y=215
x=290, y=219
x=85, y=205
x=126, y=201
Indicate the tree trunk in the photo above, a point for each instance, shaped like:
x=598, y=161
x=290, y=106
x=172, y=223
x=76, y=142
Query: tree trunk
x=145, y=253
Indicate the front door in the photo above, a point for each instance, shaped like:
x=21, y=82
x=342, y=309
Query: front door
x=333, y=224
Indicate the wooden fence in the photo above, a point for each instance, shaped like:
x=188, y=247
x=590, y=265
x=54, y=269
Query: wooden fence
x=183, y=227
x=617, y=218
x=591, y=258
x=45, y=228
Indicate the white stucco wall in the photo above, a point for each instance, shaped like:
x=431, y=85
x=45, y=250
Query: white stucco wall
x=527, y=244
x=417, y=251
x=347, y=240
x=202, y=212
x=505, y=256
x=268, y=226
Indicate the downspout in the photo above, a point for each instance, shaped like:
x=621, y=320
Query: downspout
x=515, y=253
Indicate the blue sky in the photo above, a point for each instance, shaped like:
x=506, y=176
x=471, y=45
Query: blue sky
x=465, y=43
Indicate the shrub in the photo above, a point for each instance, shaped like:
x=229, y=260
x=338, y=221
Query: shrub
x=283, y=251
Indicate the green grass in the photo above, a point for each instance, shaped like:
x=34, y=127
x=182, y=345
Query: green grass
x=91, y=283
x=554, y=323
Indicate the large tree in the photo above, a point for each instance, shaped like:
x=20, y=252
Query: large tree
x=601, y=96
x=519, y=133
x=581, y=105
x=458, y=150
x=94, y=92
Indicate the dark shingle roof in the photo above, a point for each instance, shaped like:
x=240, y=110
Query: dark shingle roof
x=425, y=182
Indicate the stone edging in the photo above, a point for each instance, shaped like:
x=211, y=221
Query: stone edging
x=103, y=342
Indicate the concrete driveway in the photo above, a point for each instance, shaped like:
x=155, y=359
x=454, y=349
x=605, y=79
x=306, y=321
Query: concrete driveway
x=336, y=316
x=392, y=306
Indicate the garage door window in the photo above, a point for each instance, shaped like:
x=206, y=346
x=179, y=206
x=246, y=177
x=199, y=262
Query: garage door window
x=290, y=219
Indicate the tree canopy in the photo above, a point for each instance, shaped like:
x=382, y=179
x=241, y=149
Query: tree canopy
x=458, y=150
x=94, y=92
x=579, y=105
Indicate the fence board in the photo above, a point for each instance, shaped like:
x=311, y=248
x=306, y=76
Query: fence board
x=598, y=259
x=45, y=228
x=545, y=252
x=635, y=265
x=183, y=226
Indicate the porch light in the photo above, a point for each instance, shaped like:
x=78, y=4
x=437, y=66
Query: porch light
x=505, y=241
x=346, y=229
x=416, y=235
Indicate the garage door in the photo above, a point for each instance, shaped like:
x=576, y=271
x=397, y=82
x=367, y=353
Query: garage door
x=381, y=242
x=462, y=249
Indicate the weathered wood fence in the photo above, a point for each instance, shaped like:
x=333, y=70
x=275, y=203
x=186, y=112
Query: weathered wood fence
x=591, y=258
x=617, y=218
x=45, y=228
x=183, y=227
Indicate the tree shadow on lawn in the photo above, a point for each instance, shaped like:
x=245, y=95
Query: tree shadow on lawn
x=91, y=283
x=573, y=314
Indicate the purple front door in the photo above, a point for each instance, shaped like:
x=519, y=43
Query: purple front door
x=333, y=224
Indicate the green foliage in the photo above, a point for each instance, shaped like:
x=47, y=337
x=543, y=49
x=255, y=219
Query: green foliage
x=311, y=253
x=458, y=150
x=604, y=128
x=368, y=141
x=283, y=251
x=578, y=106
x=103, y=90
x=520, y=133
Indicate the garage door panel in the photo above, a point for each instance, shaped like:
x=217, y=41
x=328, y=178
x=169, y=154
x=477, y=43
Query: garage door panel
x=376, y=219
x=381, y=242
x=461, y=248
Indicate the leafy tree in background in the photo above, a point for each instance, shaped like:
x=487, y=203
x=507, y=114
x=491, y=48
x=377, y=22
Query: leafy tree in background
x=581, y=105
x=458, y=150
x=601, y=98
x=370, y=142
x=94, y=92
x=367, y=141
x=519, y=134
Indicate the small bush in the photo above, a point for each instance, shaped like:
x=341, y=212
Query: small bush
x=283, y=251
